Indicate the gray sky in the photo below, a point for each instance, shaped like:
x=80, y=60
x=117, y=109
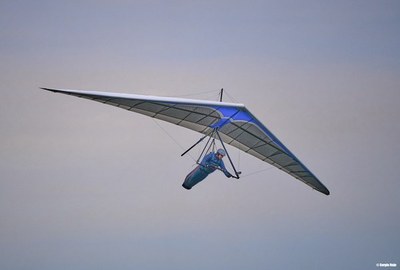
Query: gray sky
x=89, y=186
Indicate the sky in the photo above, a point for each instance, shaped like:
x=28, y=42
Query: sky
x=89, y=186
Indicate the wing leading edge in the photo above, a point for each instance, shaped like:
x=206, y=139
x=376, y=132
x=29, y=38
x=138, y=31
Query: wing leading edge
x=236, y=124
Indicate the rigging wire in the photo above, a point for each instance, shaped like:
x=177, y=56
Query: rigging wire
x=231, y=97
x=172, y=138
x=196, y=94
x=256, y=172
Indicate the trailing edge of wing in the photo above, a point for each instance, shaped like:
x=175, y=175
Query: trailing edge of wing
x=237, y=125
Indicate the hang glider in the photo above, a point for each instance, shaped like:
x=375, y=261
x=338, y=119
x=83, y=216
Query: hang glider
x=236, y=126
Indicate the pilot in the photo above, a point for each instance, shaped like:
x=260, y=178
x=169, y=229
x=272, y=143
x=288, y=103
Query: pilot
x=211, y=162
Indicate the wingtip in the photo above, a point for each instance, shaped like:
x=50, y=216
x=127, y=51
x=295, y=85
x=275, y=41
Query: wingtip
x=325, y=191
x=47, y=89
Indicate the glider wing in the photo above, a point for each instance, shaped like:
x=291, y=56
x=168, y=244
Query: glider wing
x=236, y=124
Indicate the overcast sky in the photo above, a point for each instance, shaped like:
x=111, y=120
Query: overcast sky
x=89, y=186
